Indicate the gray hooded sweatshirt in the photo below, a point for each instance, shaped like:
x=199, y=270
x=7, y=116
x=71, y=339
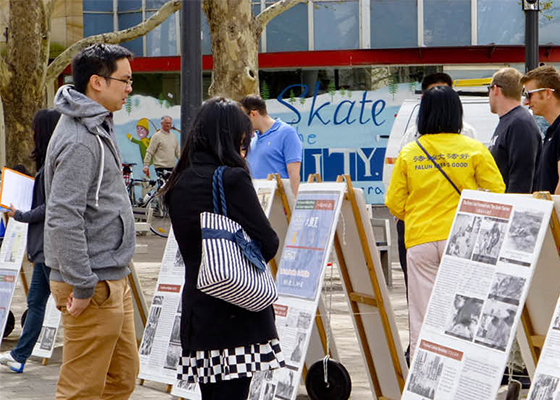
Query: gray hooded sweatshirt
x=89, y=226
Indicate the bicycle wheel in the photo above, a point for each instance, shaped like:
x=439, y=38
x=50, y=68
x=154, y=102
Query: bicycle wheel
x=160, y=223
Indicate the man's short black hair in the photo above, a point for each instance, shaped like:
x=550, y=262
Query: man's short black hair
x=440, y=111
x=98, y=59
x=438, y=77
x=253, y=102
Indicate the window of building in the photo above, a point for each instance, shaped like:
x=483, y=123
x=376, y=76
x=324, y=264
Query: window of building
x=336, y=25
x=289, y=30
x=549, y=25
x=447, y=22
x=508, y=28
x=394, y=23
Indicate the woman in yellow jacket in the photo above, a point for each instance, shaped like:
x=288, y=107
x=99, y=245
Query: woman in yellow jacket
x=421, y=195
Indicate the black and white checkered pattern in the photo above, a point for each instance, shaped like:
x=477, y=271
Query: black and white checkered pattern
x=211, y=366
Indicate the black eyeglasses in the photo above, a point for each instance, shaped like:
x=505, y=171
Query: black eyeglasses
x=492, y=86
x=127, y=82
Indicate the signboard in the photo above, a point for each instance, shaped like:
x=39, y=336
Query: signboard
x=11, y=258
x=478, y=297
x=47, y=338
x=299, y=284
x=160, y=348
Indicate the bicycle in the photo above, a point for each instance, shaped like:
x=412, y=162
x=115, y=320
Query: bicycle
x=144, y=207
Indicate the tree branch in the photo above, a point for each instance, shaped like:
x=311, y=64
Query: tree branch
x=272, y=11
x=58, y=65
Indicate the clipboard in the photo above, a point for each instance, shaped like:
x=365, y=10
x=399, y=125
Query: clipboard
x=17, y=189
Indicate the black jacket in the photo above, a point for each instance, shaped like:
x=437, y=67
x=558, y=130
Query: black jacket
x=36, y=220
x=516, y=147
x=209, y=323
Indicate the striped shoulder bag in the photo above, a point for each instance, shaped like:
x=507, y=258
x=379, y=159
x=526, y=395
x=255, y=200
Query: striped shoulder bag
x=232, y=267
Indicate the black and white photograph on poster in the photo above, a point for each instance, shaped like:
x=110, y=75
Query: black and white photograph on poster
x=150, y=331
x=462, y=238
x=179, y=263
x=157, y=300
x=180, y=306
x=545, y=387
x=496, y=324
x=556, y=322
x=490, y=239
x=185, y=385
x=425, y=374
x=256, y=386
x=464, y=317
x=507, y=288
x=172, y=357
x=48, y=338
x=176, y=330
x=286, y=384
x=269, y=391
x=303, y=321
x=297, y=353
x=524, y=230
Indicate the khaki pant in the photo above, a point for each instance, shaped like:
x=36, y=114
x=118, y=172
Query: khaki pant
x=423, y=263
x=100, y=356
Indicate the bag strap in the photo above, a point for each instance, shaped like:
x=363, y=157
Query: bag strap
x=218, y=193
x=438, y=167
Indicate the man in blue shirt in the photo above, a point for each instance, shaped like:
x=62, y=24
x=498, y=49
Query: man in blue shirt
x=276, y=147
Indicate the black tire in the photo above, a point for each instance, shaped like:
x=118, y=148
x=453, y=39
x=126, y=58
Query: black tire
x=339, y=383
x=159, y=231
x=10, y=324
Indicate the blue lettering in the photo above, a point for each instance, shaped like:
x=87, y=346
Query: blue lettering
x=314, y=112
x=375, y=113
x=311, y=139
x=347, y=119
x=288, y=105
x=363, y=103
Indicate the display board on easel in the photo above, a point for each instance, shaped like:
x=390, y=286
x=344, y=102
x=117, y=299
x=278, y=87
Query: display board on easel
x=368, y=297
x=11, y=258
x=477, y=300
x=544, y=291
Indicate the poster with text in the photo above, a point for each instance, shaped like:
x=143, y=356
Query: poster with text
x=160, y=348
x=47, y=338
x=315, y=214
x=306, y=247
x=11, y=257
x=478, y=296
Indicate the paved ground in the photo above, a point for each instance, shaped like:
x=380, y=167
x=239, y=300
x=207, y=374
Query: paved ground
x=39, y=382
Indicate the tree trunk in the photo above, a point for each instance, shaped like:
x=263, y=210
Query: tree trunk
x=23, y=94
x=235, y=39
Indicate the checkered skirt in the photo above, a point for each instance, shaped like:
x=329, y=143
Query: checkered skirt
x=211, y=366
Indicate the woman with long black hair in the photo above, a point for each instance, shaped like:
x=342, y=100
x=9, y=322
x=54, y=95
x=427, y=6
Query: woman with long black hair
x=43, y=125
x=223, y=345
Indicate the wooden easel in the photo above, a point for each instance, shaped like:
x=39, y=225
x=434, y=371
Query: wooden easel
x=372, y=298
x=532, y=339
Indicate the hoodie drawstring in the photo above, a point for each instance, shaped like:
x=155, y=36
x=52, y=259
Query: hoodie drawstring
x=101, y=166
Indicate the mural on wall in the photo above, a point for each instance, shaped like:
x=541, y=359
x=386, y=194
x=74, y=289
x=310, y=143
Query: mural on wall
x=343, y=132
x=135, y=125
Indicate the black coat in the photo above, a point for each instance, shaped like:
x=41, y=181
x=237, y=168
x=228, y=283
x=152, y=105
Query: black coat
x=209, y=323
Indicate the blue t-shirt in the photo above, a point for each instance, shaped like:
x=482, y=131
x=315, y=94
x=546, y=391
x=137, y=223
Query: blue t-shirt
x=273, y=150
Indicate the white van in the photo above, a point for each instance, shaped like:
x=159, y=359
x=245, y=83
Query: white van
x=476, y=112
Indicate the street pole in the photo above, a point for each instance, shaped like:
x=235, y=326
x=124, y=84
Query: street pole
x=191, y=65
x=531, y=9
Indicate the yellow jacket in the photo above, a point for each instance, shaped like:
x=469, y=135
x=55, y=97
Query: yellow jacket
x=420, y=195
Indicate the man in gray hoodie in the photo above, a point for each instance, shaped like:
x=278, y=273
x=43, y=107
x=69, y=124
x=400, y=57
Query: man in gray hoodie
x=89, y=230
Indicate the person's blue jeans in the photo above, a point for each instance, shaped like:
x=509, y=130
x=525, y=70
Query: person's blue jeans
x=37, y=298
